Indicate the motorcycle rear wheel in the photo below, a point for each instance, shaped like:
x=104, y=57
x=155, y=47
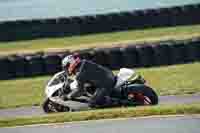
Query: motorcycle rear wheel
x=143, y=95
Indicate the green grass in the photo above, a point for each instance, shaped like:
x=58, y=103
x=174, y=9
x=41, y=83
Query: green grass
x=174, y=80
x=171, y=80
x=103, y=114
x=100, y=40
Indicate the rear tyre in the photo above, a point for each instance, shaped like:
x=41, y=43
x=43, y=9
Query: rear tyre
x=142, y=95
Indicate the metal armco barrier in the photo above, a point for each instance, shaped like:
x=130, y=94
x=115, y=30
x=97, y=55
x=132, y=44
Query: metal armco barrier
x=80, y=25
x=131, y=56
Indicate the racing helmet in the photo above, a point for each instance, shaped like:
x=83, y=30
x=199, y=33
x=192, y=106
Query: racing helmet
x=71, y=62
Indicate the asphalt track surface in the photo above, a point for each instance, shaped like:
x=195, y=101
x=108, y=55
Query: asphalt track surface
x=37, y=111
x=178, y=124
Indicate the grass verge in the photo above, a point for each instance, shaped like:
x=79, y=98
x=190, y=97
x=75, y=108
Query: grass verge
x=170, y=80
x=100, y=40
x=104, y=114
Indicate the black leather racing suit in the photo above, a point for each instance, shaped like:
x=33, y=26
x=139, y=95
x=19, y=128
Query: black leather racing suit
x=102, y=78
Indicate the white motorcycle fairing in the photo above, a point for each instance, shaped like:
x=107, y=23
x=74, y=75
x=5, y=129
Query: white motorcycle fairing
x=123, y=75
x=51, y=89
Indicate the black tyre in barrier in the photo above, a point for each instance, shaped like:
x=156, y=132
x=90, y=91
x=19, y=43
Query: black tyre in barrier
x=61, y=53
x=162, y=17
x=45, y=29
x=115, y=21
x=178, y=17
x=66, y=26
x=128, y=20
x=198, y=49
x=130, y=56
x=61, y=24
x=151, y=19
x=6, y=71
x=146, y=55
x=35, y=65
x=196, y=12
x=88, y=24
x=178, y=53
x=187, y=12
x=73, y=26
x=100, y=56
x=192, y=51
x=161, y=53
x=191, y=14
x=26, y=32
x=98, y=24
x=5, y=31
x=35, y=28
x=194, y=46
x=104, y=23
x=115, y=59
x=140, y=19
x=18, y=65
x=85, y=54
x=52, y=63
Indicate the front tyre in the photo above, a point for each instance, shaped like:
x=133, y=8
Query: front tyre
x=46, y=106
x=142, y=95
x=50, y=107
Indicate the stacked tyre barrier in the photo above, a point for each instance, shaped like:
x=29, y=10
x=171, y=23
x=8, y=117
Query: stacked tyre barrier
x=80, y=25
x=130, y=56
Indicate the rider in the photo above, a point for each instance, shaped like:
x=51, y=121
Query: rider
x=86, y=71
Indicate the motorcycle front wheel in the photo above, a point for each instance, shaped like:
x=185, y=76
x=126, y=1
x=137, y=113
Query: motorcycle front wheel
x=50, y=107
x=142, y=95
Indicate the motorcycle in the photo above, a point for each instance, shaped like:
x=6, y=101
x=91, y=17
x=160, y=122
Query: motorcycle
x=130, y=90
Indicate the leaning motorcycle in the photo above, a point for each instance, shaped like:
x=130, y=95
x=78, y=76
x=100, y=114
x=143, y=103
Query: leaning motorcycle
x=130, y=90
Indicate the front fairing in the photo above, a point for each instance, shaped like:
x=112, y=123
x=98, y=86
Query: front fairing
x=55, y=83
x=50, y=90
x=57, y=78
